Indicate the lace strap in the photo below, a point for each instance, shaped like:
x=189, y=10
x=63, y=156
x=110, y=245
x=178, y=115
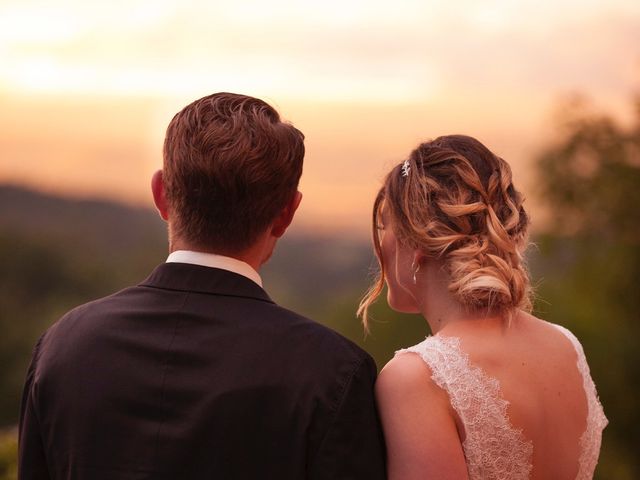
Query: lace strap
x=596, y=420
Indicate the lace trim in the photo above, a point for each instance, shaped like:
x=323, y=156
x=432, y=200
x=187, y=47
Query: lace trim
x=591, y=439
x=493, y=448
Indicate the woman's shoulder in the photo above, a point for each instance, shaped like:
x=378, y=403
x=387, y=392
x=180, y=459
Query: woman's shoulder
x=407, y=373
x=407, y=382
x=405, y=370
x=432, y=365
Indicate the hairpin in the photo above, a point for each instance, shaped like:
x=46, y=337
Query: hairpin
x=405, y=168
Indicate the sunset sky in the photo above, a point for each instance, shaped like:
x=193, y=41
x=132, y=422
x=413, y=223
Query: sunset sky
x=87, y=88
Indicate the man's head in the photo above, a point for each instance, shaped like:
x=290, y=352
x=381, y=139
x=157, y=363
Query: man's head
x=231, y=167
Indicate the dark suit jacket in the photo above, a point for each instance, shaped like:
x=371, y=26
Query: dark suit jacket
x=197, y=374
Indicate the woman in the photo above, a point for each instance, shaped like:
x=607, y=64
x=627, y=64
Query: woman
x=495, y=393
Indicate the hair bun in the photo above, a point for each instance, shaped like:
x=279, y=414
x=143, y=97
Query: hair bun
x=457, y=203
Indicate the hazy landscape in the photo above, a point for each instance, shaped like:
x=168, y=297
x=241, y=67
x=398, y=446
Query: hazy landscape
x=57, y=252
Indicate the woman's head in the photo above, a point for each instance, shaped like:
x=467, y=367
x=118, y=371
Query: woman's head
x=453, y=201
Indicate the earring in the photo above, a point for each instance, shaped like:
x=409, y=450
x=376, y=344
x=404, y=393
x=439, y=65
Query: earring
x=415, y=271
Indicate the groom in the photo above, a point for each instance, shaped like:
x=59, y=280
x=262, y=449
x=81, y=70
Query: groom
x=196, y=373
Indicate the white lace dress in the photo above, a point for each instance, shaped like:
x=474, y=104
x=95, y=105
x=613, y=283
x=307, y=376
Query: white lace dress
x=493, y=448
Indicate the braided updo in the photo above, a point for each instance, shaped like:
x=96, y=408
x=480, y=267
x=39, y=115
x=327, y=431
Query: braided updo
x=454, y=200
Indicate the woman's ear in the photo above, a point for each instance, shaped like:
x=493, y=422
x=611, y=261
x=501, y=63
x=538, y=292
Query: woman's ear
x=419, y=259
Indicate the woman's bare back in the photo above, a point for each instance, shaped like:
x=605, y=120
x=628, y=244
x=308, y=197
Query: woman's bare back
x=521, y=403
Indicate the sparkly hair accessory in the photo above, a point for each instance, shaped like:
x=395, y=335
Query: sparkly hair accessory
x=405, y=168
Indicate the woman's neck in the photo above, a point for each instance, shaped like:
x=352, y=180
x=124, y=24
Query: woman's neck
x=444, y=313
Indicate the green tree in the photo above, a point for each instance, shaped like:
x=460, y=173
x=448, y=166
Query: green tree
x=588, y=260
x=8, y=455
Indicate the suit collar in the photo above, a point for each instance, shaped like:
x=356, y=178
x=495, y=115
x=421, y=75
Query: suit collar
x=196, y=278
x=215, y=260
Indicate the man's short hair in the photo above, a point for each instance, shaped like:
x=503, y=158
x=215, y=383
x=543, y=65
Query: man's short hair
x=230, y=167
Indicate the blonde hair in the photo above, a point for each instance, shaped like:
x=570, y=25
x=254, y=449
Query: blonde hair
x=454, y=200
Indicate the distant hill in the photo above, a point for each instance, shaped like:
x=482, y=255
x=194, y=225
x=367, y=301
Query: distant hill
x=88, y=222
x=305, y=269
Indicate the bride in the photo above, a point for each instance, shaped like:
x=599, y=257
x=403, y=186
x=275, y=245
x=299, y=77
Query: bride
x=495, y=393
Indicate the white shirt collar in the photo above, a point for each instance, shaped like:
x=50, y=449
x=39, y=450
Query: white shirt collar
x=216, y=261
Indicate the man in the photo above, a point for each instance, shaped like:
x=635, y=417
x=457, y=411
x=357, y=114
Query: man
x=196, y=373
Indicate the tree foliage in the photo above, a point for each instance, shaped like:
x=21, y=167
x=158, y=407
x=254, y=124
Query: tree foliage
x=590, y=178
x=588, y=261
x=8, y=455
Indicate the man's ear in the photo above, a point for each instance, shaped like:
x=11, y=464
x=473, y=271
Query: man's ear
x=159, y=198
x=285, y=218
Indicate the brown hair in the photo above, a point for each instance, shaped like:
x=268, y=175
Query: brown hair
x=457, y=203
x=230, y=167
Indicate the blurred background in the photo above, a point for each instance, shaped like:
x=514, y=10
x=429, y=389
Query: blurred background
x=87, y=89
